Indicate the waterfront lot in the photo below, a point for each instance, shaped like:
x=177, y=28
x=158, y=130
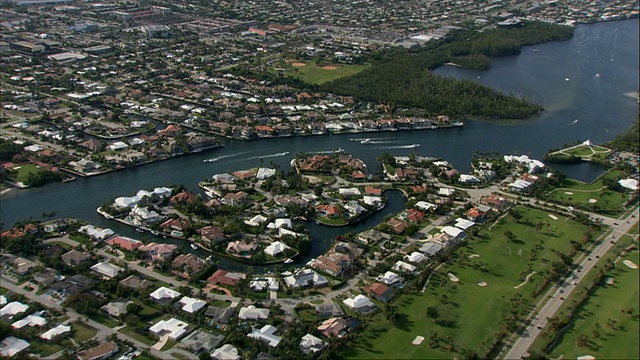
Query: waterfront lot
x=470, y=315
x=23, y=171
x=594, y=196
x=313, y=73
x=617, y=302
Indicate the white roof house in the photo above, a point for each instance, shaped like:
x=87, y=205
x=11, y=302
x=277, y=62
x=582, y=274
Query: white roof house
x=278, y=223
x=12, y=345
x=389, y=278
x=3, y=300
x=256, y=220
x=13, y=308
x=172, y=327
x=415, y=257
x=452, y=231
x=118, y=145
x=468, y=179
x=349, y=192
x=358, y=302
x=164, y=293
x=305, y=277
x=311, y=344
x=264, y=173
x=252, y=313
x=426, y=206
x=96, y=233
x=192, y=305
x=106, y=269
x=463, y=224
x=519, y=185
x=446, y=191
x=31, y=320
x=276, y=248
x=125, y=201
x=56, y=331
x=403, y=266
x=266, y=334
x=372, y=200
x=226, y=352
x=269, y=283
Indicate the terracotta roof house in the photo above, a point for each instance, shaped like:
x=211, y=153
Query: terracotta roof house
x=380, y=292
x=74, y=257
x=496, y=202
x=234, y=199
x=170, y=131
x=186, y=265
x=183, y=196
x=332, y=262
x=397, y=226
x=225, y=278
x=125, y=243
x=93, y=145
x=159, y=251
x=414, y=215
x=370, y=190
x=328, y=210
x=175, y=224
x=211, y=233
x=333, y=327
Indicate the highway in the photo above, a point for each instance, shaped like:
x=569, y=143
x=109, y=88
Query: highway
x=547, y=310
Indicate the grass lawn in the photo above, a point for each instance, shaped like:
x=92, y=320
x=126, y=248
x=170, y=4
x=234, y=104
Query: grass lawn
x=592, y=319
x=470, y=315
x=62, y=245
x=104, y=320
x=24, y=170
x=586, y=151
x=82, y=332
x=332, y=221
x=147, y=311
x=318, y=74
x=131, y=331
x=307, y=315
x=577, y=193
x=219, y=303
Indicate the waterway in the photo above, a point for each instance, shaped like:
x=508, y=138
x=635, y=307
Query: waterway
x=600, y=61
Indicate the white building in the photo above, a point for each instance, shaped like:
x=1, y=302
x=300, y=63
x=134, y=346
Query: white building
x=404, y=267
x=172, y=327
x=192, y=305
x=252, y=313
x=358, y=302
x=13, y=308
x=226, y=352
x=164, y=293
x=106, y=269
x=266, y=334
x=56, y=331
x=311, y=344
x=11, y=346
x=276, y=248
x=31, y=321
x=389, y=278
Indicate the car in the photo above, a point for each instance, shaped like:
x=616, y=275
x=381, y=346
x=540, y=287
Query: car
x=561, y=298
x=597, y=256
x=575, y=283
x=538, y=326
x=561, y=291
x=589, y=259
x=616, y=224
x=578, y=270
x=633, y=216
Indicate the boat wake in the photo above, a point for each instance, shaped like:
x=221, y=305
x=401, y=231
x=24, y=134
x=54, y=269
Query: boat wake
x=412, y=146
x=268, y=156
x=223, y=157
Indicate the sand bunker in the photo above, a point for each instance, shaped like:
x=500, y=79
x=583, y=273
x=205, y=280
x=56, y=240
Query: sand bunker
x=592, y=201
x=298, y=64
x=330, y=67
x=553, y=217
x=568, y=192
x=418, y=340
x=473, y=256
x=482, y=283
x=453, y=277
x=630, y=264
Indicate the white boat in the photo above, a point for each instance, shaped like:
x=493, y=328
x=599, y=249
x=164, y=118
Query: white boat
x=535, y=50
x=288, y=261
x=139, y=230
x=575, y=121
x=194, y=246
x=566, y=79
x=365, y=141
x=155, y=232
x=413, y=146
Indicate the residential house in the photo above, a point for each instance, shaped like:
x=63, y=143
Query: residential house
x=213, y=234
x=414, y=216
x=220, y=315
x=266, y=334
x=226, y=352
x=276, y=248
x=310, y=344
x=187, y=265
x=74, y=257
x=240, y=248
x=390, y=278
x=235, y=199
x=397, y=226
x=496, y=202
x=191, y=305
x=11, y=346
x=372, y=236
x=201, y=341
x=159, y=251
x=224, y=277
x=333, y=327
x=304, y=278
x=415, y=257
x=100, y=352
x=106, y=269
x=56, y=333
x=328, y=211
x=134, y=282
x=162, y=293
x=116, y=308
x=174, y=224
x=253, y=313
x=360, y=303
x=380, y=292
x=173, y=327
x=404, y=267
x=125, y=243
x=332, y=263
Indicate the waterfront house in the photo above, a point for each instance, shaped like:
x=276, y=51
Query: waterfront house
x=235, y=199
x=240, y=248
x=370, y=190
x=332, y=263
x=174, y=224
x=372, y=236
x=328, y=211
x=187, y=265
x=213, y=234
x=304, y=278
x=276, y=248
x=159, y=252
x=396, y=226
x=125, y=243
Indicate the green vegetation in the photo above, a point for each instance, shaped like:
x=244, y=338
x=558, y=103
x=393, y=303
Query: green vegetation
x=628, y=141
x=606, y=324
x=582, y=152
x=467, y=318
x=582, y=195
x=320, y=73
x=402, y=78
x=138, y=333
x=81, y=332
x=34, y=175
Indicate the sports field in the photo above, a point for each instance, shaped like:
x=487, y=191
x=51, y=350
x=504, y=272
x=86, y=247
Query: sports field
x=606, y=326
x=319, y=73
x=469, y=315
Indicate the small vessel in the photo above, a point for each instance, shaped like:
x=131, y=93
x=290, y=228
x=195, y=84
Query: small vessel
x=575, y=121
x=340, y=150
x=566, y=79
x=69, y=179
x=413, y=146
x=194, y=246
x=598, y=75
x=535, y=50
x=155, y=232
x=139, y=230
x=288, y=261
x=365, y=141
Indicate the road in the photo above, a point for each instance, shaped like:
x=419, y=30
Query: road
x=545, y=310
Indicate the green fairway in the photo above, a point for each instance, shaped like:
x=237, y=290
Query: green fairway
x=617, y=302
x=594, y=196
x=320, y=73
x=470, y=315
